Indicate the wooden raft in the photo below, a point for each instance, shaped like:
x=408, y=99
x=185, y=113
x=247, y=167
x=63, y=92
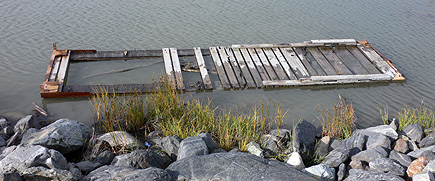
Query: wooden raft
x=315, y=62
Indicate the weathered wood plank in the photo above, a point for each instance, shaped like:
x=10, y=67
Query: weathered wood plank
x=323, y=62
x=258, y=63
x=266, y=64
x=335, y=61
x=350, y=60
x=245, y=71
x=275, y=64
x=284, y=64
x=260, y=45
x=335, y=41
x=55, y=69
x=377, y=60
x=251, y=66
x=295, y=63
x=202, y=69
x=309, y=62
x=219, y=68
x=63, y=70
x=363, y=60
x=334, y=79
x=228, y=69
x=168, y=66
x=93, y=55
x=236, y=68
x=50, y=66
x=177, y=69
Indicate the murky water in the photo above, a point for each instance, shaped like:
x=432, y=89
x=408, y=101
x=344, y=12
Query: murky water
x=402, y=30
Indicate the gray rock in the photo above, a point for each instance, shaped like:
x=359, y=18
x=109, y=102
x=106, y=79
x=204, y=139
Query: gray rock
x=394, y=124
x=143, y=159
x=304, y=139
x=296, y=161
x=369, y=155
x=358, y=164
x=208, y=139
x=429, y=154
x=424, y=176
x=7, y=132
x=414, y=132
x=24, y=124
x=382, y=150
x=341, y=174
x=430, y=166
x=122, y=173
x=281, y=133
x=64, y=135
x=99, y=147
x=235, y=150
x=5, y=151
x=105, y=157
x=359, y=174
x=75, y=171
x=170, y=145
x=219, y=150
x=321, y=171
x=269, y=142
x=385, y=165
x=385, y=130
x=336, y=157
x=417, y=153
x=42, y=173
x=322, y=146
x=335, y=143
x=87, y=166
x=375, y=139
x=412, y=145
x=255, y=149
x=192, y=146
x=402, y=159
x=2, y=142
x=121, y=139
x=155, y=136
x=26, y=156
x=10, y=177
x=355, y=143
x=233, y=166
x=429, y=140
x=4, y=122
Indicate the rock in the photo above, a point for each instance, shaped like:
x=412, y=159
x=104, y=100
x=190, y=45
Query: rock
x=233, y=166
x=170, y=145
x=322, y=147
x=341, y=174
x=403, y=159
x=25, y=156
x=121, y=139
x=412, y=145
x=64, y=135
x=359, y=174
x=417, y=153
x=219, y=150
x=385, y=165
x=155, y=136
x=401, y=146
x=368, y=155
x=143, y=159
x=42, y=173
x=385, y=130
x=4, y=122
x=358, y=164
x=87, y=166
x=24, y=124
x=2, y=142
x=382, y=150
x=414, y=132
x=394, y=124
x=281, y=133
x=192, y=146
x=269, y=142
x=99, y=147
x=235, y=150
x=321, y=171
x=336, y=157
x=112, y=172
x=296, y=161
x=7, y=132
x=208, y=139
x=424, y=176
x=429, y=154
x=429, y=140
x=416, y=166
x=355, y=143
x=105, y=157
x=75, y=171
x=335, y=144
x=255, y=149
x=10, y=177
x=430, y=166
x=304, y=139
x=375, y=139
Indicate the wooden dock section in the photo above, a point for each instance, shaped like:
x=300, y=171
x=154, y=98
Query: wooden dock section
x=315, y=62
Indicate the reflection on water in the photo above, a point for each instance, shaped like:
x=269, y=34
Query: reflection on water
x=401, y=30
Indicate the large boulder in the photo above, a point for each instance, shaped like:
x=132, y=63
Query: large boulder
x=403, y=159
x=121, y=139
x=112, y=172
x=64, y=135
x=304, y=140
x=414, y=131
x=375, y=139
x=42, y=173
x=386, y=130
x=385, y=165
x=419, y=152
x=208, y=139
x=370, y=154
x=233, y=166
x=24, y=124
x=429, y=140
x=337, y=157
x=26, y=156
x=192, y=146
x=359, y=174
x=10, y=177
x=355, y=143
x=143, y=159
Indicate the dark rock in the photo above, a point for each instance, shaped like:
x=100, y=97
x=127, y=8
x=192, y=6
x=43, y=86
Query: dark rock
x=304, y=140
x=385, y=165
x=170, y=145
x=281, y=133
x=235, y=150
x=105, y=157
x=233, y=166
x=155, y=136
x=10, y=177
x=336, y=157
x=112, y=172
x=385, y=130
x=417, y=166
x=2, y=142
x=401, y=146
x=208, y=139
x=377, y=139
x=369, y=155
x=414, y=131
x=192, y=146
x=25, y=156
x=429, y=140
x=341, y=174
x=322, y=146
x=335, y=143
x=382, y=150
x=417, y=153
x=75, y=171
x=6, y=132
x=24, y=124
x=87, y=166
x=219, y=150
x=4, y=122
x=359, y=174
x=429, y=154
x=321, y=171
x=42, y=173
x=143, y=159
x=400, y=158
x=355, y=143
x=64, y=135
x=255, y=149
x=121, y=139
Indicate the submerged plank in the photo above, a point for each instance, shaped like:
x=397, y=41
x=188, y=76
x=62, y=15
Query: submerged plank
x=363, y=60
x=350, y=61
x=219, y=68
x=168, y=66
x=177, y=69
x=266, y=64
x=284, y=64
x=333, y=79
x=93, y=55
x=295, y=63
x=309, y=62
x=275, y=64
x=202, y=69
x=323, y=62
x=245, y=71
x=258, y=64
x=335, y=61
x=251, y=66
x=236, y=68
x=228, y=69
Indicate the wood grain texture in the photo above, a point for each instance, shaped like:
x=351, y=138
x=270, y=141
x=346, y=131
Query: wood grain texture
x=177, y=69
x=245, y=70
x=219, y=68
x=335, y=61
x=295, y=63
x=228, y=69
x=266, y=64
x=363, y=60
x=168, y=66
x=235, y=65
x=276, y=65
x=323, y=62
x=252, y=68
x=202, y=69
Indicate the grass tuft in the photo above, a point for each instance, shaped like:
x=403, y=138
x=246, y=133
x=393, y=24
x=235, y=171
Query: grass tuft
x=421, y=115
